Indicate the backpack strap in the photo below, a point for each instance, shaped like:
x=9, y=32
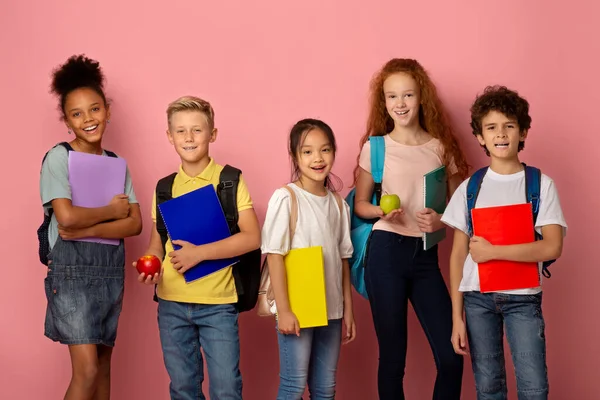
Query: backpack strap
x=377, y=158
x=227, y=192
x=340, y=204
x=473, y=188
x=533, y=177
x=164, y=192
x=66, y=145
x=265, y=281
x=293, y=212
x=533, y=185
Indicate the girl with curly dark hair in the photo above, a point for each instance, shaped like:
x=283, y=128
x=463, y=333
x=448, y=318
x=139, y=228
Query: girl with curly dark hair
x=84, y=285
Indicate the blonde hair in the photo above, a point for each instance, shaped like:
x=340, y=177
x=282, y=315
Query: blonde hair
x=191, y=103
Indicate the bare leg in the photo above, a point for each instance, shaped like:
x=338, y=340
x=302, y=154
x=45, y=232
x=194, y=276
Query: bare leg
x=84, y=363
x=103, y=379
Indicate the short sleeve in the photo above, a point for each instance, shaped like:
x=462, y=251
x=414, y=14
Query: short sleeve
x=346, y=248
x=54, y=177
x=129, y=187
x=276, y=228
x=455, y=214
x=364, y=160
x=550, y=209
x=244, y=201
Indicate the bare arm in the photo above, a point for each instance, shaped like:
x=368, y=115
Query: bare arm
x=155, y=246
x=118, y=229
x=364, y=193
x=279, y=282
x=348, y=308
x=453, y=184
x=287, y=323
x=549, y=248
x=246, y=240
x=346, y=286
x=121, y=228
x=73, y=217
x=460, y=250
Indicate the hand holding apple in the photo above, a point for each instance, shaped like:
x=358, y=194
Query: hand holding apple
x=150, y=269
x=389, y=202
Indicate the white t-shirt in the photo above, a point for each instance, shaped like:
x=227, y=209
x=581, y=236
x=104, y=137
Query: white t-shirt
x=500, y=190
x=319, y=224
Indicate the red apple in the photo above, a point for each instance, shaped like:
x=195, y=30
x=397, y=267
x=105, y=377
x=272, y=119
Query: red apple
x=148, y=265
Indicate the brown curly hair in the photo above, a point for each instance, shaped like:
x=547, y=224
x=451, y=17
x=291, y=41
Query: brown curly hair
x=432, y=116
x=505, y=101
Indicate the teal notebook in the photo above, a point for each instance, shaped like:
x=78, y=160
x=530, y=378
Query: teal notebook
x=435, y=193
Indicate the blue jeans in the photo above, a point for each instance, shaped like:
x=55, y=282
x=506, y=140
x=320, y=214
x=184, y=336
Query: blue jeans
x=486, y=314
x=185, y=329
x=312, y=358
x=398, y=270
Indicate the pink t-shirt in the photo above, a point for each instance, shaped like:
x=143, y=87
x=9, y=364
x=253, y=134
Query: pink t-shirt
x=403, y=172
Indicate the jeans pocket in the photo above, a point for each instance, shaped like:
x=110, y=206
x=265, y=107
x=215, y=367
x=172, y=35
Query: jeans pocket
x=60, y=296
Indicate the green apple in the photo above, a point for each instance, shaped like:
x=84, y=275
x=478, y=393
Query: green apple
x=389, y=202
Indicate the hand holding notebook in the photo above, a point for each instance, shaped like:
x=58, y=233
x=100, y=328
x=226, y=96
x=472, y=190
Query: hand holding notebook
x=197, y=218
x=435, y=192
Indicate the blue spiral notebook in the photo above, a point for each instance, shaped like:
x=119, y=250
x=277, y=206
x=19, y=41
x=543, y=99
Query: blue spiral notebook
x=197, y=217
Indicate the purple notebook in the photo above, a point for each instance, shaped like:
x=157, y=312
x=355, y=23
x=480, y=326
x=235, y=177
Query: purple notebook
x=94, y=181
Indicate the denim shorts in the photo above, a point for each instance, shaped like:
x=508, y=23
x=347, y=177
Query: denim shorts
x=84, y=289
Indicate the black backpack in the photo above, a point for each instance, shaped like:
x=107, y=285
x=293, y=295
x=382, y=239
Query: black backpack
x=42, y=232
x=246, y=272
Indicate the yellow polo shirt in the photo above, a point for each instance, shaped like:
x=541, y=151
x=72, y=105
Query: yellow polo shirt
x=216, y=288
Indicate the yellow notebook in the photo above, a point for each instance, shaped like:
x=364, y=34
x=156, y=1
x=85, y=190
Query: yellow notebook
x=306, y=286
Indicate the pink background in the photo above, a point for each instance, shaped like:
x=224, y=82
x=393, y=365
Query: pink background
x=264, y=65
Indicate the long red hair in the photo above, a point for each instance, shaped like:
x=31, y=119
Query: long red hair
x=432, y=116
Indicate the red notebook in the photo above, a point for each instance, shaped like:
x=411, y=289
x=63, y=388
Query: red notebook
x=505, y=225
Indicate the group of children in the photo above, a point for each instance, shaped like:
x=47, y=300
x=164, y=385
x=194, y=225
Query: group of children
x=84, y=285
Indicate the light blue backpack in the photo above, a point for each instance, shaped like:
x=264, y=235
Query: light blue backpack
x=360, y=229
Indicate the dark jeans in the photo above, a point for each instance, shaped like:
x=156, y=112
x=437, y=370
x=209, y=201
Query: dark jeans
x=398, y=270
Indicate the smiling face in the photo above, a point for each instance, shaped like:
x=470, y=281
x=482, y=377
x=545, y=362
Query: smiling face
x=501, y=136
x=190, y=133
x=315, y=156
x=86, y=114
x=402, y=99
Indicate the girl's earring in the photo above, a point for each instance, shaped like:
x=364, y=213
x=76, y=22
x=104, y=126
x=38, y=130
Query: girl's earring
x=108, y=121
x=69, y=131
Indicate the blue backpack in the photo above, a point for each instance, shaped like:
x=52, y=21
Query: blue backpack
x=360, y=229
x=533, y=177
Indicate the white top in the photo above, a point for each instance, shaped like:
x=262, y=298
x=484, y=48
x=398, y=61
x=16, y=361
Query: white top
x=501, y=190
x=319, y=224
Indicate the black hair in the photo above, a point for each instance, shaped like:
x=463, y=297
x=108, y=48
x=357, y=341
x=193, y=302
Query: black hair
x=77, y=72
x=503, y=100
x=297, y=136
